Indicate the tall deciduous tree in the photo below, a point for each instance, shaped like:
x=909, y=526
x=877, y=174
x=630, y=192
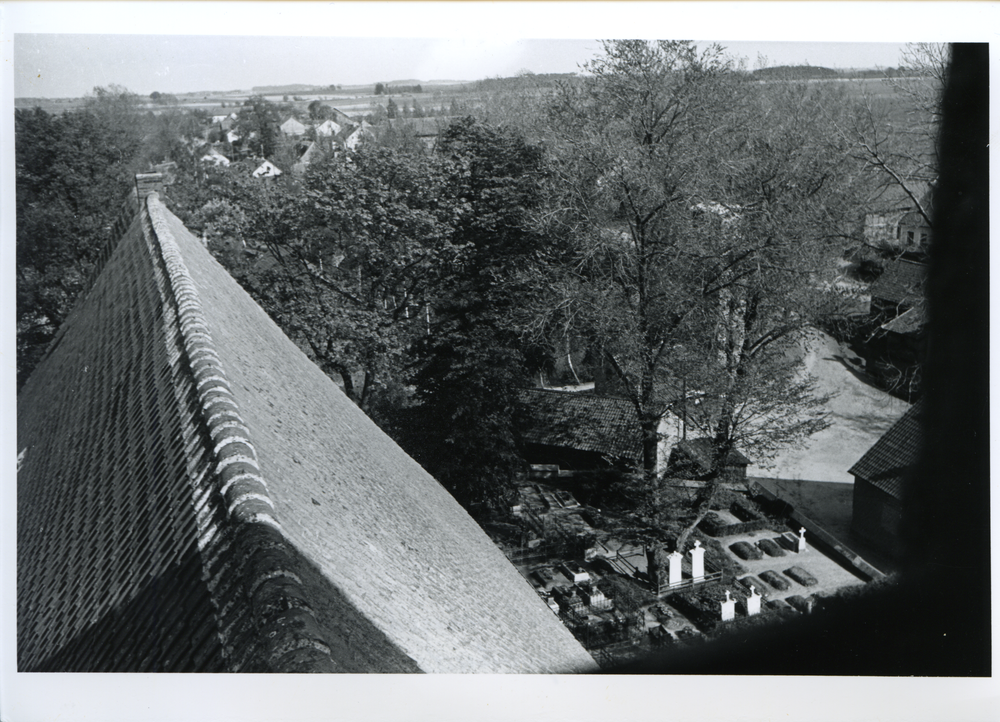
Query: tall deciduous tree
x=73, y=172
x=708, y=211
x=472, y=363
x=896, y=136
x=257, y=125
x=349, y=259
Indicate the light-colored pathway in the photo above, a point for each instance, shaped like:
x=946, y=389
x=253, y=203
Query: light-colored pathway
x=860, y=414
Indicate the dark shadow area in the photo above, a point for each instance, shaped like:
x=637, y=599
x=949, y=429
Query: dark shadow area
x=921, y=626
x=168, y=626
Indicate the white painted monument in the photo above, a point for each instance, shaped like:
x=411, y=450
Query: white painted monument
x=801, y=541
x=697, y=562
x=728, y=608
x=753, y=602
x=675, y=558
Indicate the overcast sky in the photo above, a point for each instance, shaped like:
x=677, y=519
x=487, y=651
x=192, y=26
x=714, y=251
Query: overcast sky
x=64, y=50
x=71, y=65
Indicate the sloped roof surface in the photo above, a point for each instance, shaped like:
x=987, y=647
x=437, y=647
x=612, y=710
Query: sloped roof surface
x=901, y=282
x=700, y=450
x=911, y=321
x=196, y=495
x=887, y=464
x=586, y=422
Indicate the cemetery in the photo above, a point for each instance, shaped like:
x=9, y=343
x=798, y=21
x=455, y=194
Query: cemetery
x=619, y=596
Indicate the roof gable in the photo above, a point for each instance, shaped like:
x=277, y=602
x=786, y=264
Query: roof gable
x=889, y=461
x=901, y=282
x=192, y=459
x=607, y=425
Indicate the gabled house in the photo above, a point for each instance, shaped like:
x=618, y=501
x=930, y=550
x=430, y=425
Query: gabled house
x=353, y=136
x=313, y=152
x=880, y=479
x=194, y=494
x=899, y=288
x=267, y=169
x=213, y=157
x=692, y=459
x=293, y=128
x=328, y=128
x=895, y=222
x=894, y=352
x=581, y=431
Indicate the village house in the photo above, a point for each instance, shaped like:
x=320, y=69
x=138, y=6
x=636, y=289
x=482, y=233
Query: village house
x=267, y=169
x=572, y=431
x=693, y=459
x=194, y=494
x=894, y=351
x=896, y=223
x=880, y=478
x=293, y=127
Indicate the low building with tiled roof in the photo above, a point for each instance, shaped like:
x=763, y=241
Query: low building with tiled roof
x=899, y=288
x=582, y=431
x=195, y=495
x=880, y=477
x=693, y=459
x=293, y=127
x=894, y=352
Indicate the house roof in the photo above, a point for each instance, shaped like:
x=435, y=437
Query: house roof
x=267, y=169
x=607, y=425
x=700, y=451
x=911, y=321
x=901, y=282
x=195, y=495
x=293, y=127
x=887, y=464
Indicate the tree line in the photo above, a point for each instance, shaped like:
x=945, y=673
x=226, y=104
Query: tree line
x=664, y=215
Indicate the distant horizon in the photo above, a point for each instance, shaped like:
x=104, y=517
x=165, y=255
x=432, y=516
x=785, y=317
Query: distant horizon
x=66, y=66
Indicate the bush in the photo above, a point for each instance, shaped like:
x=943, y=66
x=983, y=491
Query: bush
x=775, y=580
x=752, y=581
x=746, y=551
x=802, y=604
x=771, y=548
x=802, y=576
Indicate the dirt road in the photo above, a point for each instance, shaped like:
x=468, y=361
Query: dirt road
x=860, y=415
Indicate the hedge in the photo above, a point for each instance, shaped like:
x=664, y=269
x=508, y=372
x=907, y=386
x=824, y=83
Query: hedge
x=745, y=550
x=802, y=576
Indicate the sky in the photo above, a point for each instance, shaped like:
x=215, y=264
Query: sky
x=65, y=50
x=65, y=65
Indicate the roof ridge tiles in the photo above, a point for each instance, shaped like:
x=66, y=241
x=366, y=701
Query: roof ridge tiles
x=277, y=595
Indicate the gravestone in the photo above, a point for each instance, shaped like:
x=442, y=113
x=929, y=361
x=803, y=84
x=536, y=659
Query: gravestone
x=728, y=608
x=801, y=541
x=697, y=561
x=674, y=558
x=753, y=602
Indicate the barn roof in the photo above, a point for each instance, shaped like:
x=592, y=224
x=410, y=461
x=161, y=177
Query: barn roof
x=700, y=451
x=195, y=495
x=887, y=464
x=901, y=282
x=911, y=321
x=607, y=425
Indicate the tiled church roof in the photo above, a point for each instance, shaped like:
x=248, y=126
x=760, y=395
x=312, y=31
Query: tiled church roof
x=195, y=495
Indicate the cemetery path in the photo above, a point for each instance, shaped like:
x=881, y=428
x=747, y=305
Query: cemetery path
x=860, y=414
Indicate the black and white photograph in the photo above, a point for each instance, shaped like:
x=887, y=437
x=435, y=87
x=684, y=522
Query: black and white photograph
x=650, y=373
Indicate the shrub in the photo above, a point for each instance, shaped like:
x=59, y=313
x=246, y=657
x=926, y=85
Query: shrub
x=802, y=604
x=746, y=551
x=802, y=576
x=775, y=580
x=771, y=548
x=752, y=581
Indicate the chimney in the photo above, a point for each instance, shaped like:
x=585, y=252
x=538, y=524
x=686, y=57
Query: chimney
x=146, y=183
